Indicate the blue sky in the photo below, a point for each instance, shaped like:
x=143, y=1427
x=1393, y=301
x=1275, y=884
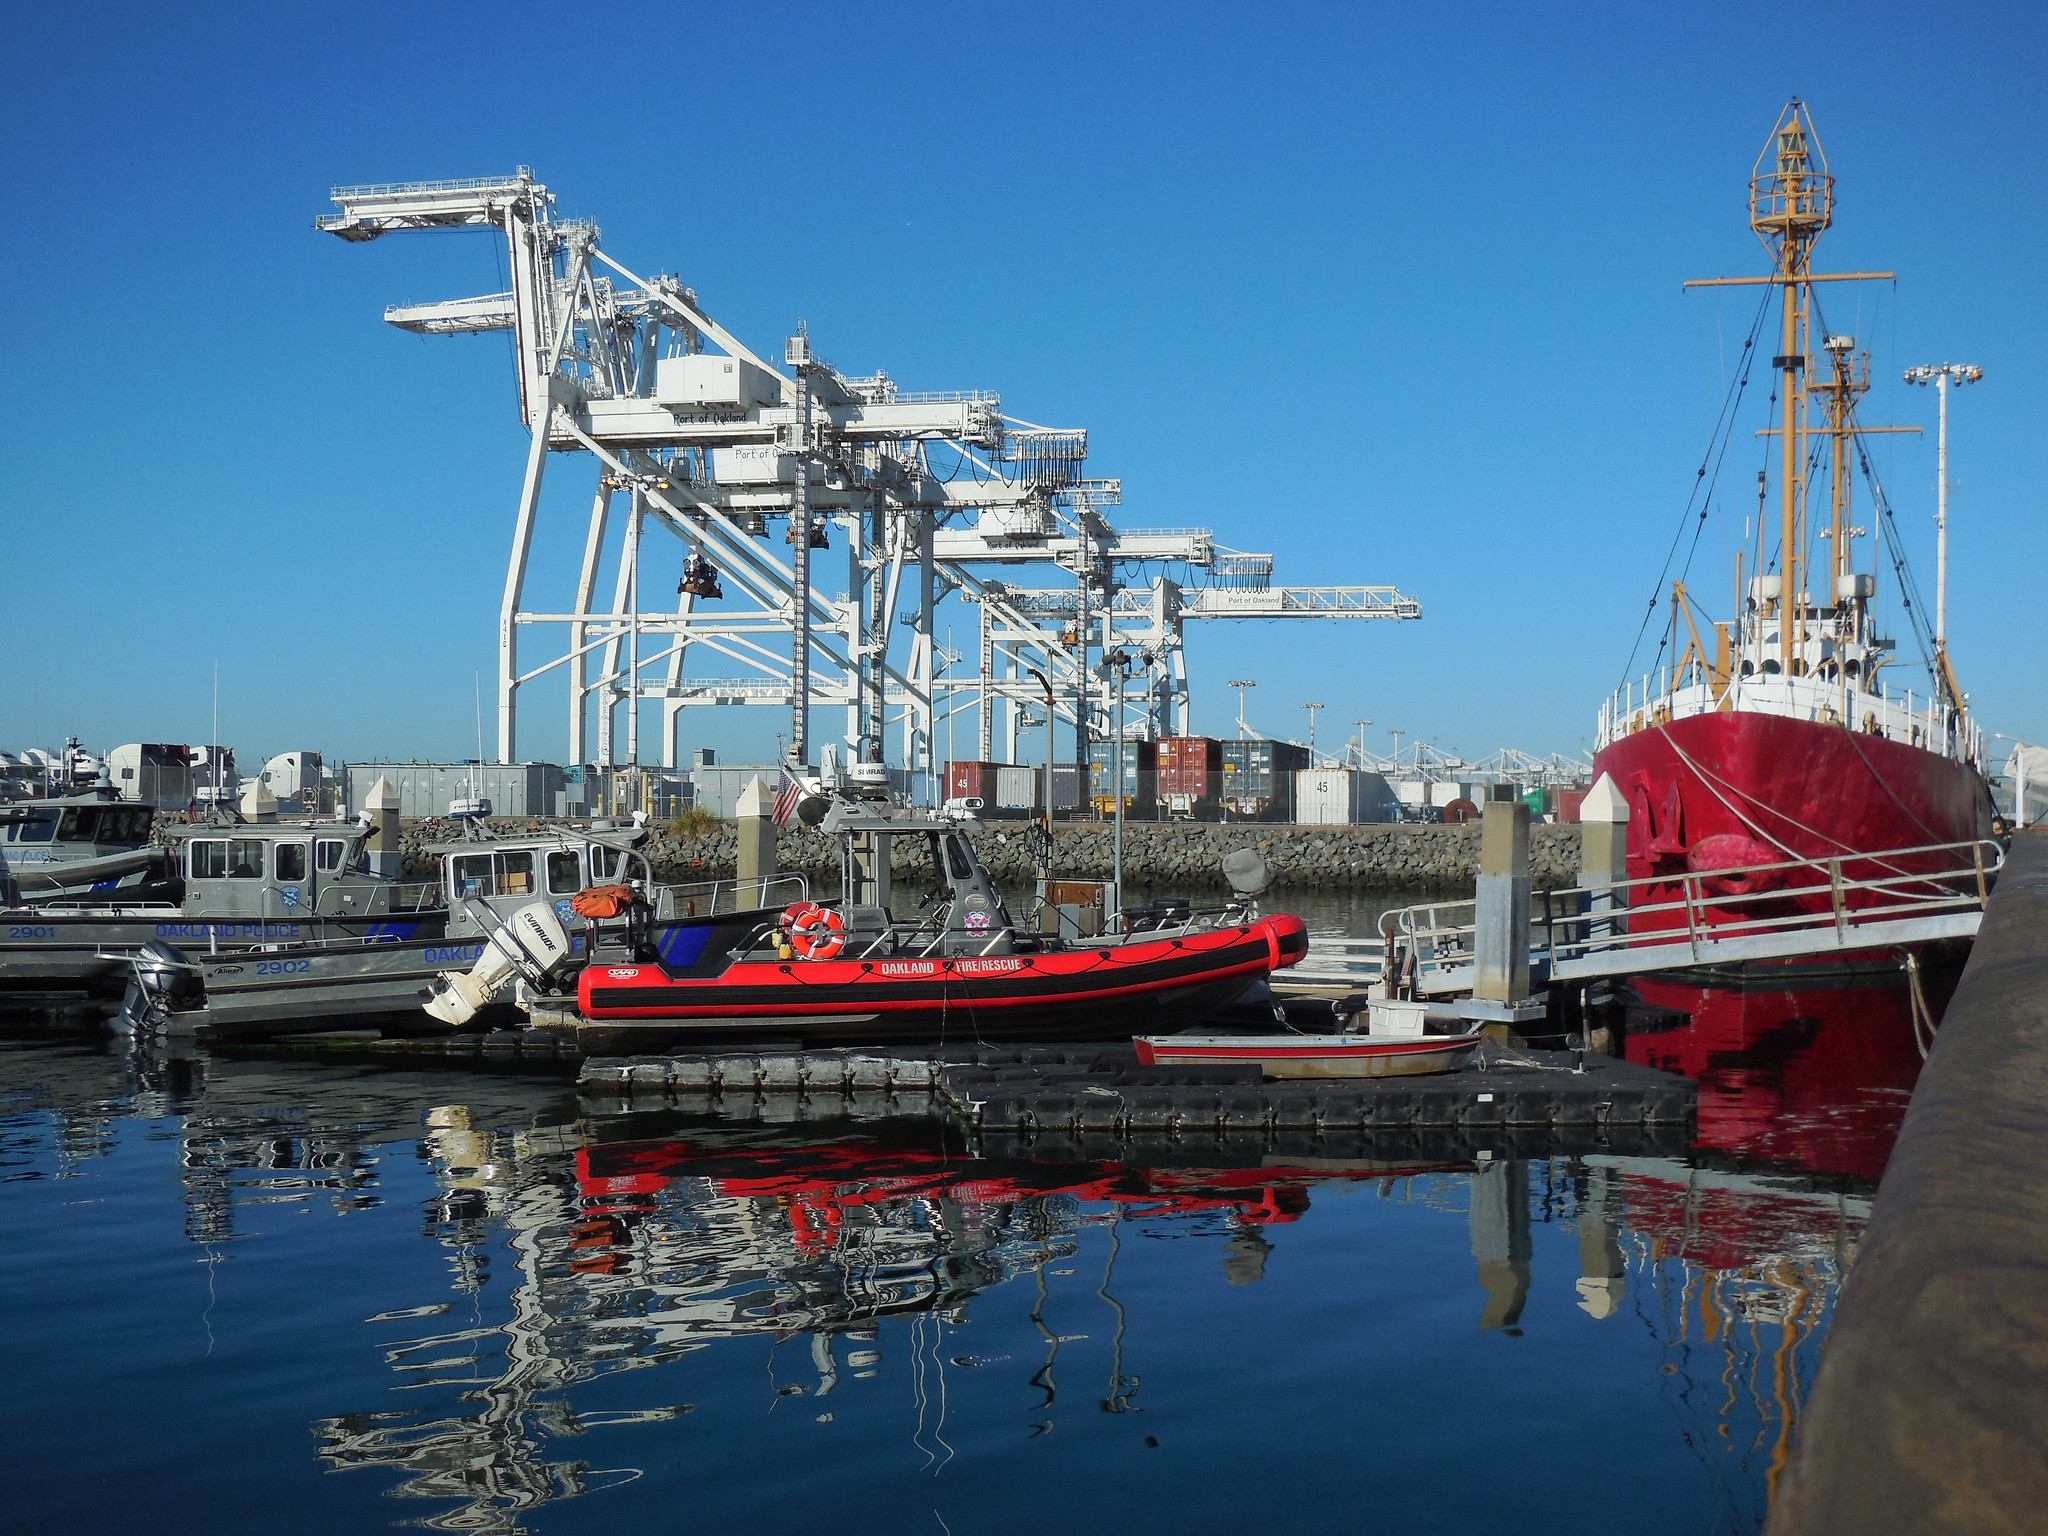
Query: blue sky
x=1392, y=292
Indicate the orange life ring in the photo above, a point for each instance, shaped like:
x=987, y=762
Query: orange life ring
x=815, y=933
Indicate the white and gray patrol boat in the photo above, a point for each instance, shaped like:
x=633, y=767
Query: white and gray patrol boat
x=369, y=965
x=87, y=844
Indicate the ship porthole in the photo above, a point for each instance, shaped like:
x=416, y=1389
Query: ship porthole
x=1770, y=667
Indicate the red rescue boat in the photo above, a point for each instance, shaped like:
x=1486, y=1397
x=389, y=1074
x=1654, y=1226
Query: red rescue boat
x=1116, y=984
x=886, y=962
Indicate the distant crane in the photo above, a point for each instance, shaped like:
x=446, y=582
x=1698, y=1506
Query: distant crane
x=928, y=493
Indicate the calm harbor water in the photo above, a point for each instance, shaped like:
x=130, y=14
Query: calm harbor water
x=260, y=1295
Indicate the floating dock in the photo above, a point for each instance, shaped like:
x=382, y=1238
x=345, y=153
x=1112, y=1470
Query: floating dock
x=1056, y=1099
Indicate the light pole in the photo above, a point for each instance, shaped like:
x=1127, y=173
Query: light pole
x=1397, y=733
x=1241, y=684
x=1117, y=665
x=1045, y=852
x=1361, y=724
x=1312, y=708
x=1941, y=375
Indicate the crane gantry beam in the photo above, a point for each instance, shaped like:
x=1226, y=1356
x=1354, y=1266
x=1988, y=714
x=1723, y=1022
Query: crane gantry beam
x=706, y=441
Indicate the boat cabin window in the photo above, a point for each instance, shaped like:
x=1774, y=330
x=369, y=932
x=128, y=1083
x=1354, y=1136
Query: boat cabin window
x=565, y=872
x=35, y=827
x=291, y=861
x=957, y=860
x=245, y=858
x=604, y=864
x=330, y=853
x=508, y=873
x=206, y=860
x=130, y=825
x=81, y=824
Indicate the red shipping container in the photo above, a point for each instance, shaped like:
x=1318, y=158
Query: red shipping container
x=1568, y=803
x=1191, y=765
x=972, y=779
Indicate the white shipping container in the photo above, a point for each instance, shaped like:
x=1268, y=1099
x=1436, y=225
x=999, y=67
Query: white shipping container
x=1018, y=789
x=1445, y=791
x=1339, y=797
x=1413, y=792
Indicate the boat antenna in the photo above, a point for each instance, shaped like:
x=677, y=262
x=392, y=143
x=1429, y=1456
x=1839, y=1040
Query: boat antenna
x=213, y=743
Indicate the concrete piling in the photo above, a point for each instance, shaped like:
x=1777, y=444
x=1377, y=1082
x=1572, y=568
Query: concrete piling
x=381, y=849
x=753, y=817
x=1603, y=854
x=1501, y=945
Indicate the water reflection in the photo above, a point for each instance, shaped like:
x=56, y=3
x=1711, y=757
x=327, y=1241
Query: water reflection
x=1809, y=1070
x=594, y=1272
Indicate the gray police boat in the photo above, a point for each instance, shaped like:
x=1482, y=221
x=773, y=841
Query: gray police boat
x=329, y=978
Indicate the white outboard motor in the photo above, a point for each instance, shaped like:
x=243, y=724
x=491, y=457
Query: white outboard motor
x=530, y=944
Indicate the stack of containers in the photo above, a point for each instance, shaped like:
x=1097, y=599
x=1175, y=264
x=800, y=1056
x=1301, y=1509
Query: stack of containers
x=1190, y=781
x=1141, y=776
x=1258, y=778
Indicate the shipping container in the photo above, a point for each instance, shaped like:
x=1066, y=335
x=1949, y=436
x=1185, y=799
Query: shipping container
x=1018, y=791
x=1066, y=787
x=1140, y=779
x=1568, y=803
x=972, y=779
x=428, y=789
x=1190, y=766
x=1444, y=791
x=1335, y=797
x=1258, y=778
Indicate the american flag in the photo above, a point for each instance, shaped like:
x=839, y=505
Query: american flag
x=786, y=801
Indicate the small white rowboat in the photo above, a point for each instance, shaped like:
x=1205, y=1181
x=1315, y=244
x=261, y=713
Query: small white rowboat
x=1343, y=1055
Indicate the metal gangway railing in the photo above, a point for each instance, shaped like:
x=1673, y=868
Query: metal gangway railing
x=1791, y=908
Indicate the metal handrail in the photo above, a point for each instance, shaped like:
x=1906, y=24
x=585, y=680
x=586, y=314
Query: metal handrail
x=1579, y=921
x=706, y=898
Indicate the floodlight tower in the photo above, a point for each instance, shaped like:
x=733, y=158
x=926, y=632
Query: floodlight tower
x=1241, y=684
x=1312, y=708
x=1941, y=376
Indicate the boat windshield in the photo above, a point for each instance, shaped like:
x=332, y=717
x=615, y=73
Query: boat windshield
x=34, y=827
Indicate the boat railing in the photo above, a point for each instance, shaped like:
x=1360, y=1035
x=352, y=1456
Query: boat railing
x=1830, y=898
x=418, y=896
x=709, y=898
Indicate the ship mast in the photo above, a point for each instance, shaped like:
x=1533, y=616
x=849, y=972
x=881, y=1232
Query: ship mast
x=1791, y=202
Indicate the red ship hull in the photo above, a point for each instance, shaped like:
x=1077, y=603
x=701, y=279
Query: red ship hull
x=1724, y=790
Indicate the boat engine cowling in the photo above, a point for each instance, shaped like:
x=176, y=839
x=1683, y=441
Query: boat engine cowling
x=532, y=944
x=161, y=982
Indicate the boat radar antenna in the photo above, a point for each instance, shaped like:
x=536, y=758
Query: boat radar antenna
x=1244, y=731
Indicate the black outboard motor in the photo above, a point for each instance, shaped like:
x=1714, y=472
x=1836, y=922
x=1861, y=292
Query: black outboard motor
x=162, y=982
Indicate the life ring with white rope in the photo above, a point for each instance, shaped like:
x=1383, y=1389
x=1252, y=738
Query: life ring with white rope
x=815, y=932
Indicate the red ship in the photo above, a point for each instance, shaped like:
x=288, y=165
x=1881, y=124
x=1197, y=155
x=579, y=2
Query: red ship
x=1788, y=739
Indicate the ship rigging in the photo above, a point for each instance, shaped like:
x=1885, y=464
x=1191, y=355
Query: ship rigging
x=1785, y=738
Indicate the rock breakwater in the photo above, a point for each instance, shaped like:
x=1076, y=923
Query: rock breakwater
x=1177, y=855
